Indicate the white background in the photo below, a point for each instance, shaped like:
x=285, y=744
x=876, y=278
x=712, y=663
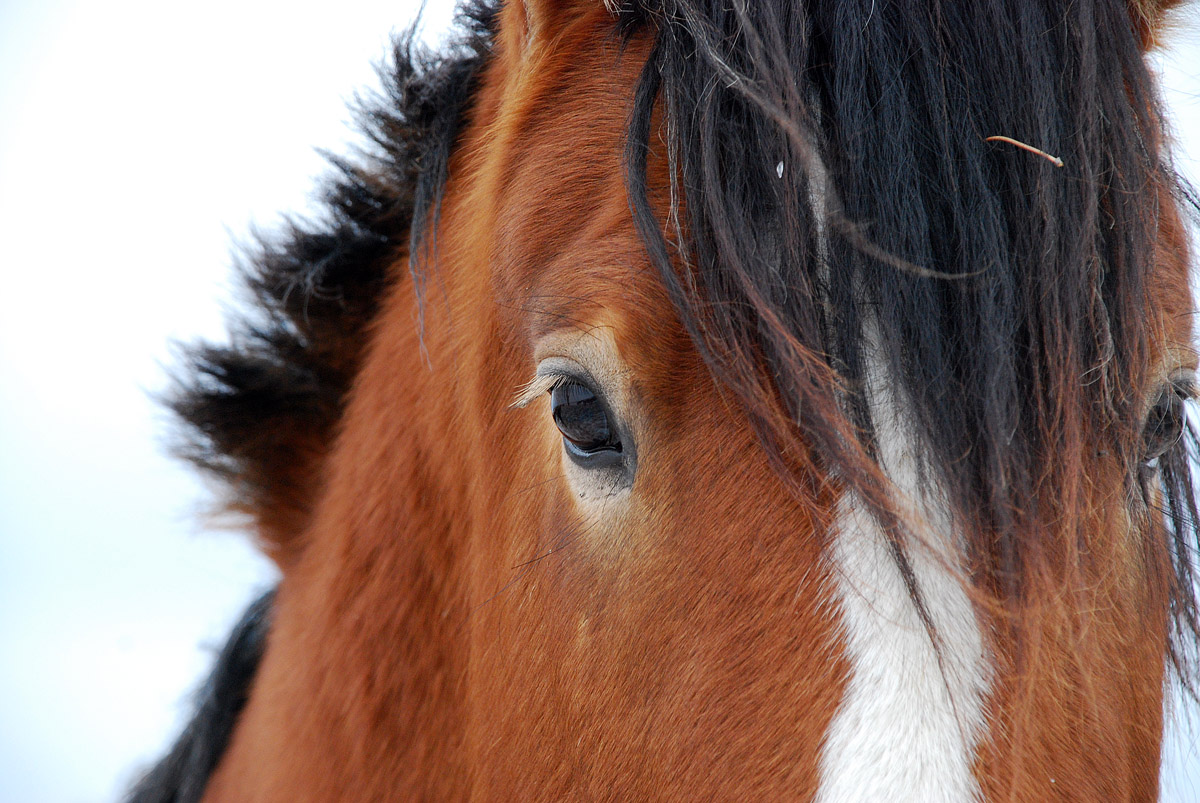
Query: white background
x=138, y=140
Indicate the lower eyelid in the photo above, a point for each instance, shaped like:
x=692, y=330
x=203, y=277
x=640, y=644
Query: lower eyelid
x=575, y=450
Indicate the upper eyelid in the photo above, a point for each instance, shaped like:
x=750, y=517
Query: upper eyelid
x=546, y=380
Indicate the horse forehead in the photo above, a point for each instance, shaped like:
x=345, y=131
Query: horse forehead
x=564, y=249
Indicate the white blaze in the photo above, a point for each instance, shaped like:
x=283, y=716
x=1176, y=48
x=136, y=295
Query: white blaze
x=908, y=727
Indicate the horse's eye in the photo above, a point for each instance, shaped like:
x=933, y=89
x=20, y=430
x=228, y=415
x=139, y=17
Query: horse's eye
x=584, y=422
x=1164, y=425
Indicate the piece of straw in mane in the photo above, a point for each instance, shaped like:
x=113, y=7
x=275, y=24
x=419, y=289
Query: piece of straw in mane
x=1026, y=147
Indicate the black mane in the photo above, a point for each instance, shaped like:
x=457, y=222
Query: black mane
x=840, y=188
x=254, y=410
x=259, y=412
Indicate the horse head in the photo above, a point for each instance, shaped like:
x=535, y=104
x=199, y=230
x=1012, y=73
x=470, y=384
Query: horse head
x=739, y=399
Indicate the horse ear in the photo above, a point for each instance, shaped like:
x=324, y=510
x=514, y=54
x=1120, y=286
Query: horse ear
x=1150, y=18
x=539, y=20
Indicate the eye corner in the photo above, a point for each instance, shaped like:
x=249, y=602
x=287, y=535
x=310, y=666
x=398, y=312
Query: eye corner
x=1183, y=383
x=1166, y=419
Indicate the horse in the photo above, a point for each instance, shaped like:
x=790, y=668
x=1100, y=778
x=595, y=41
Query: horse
x=683, y=399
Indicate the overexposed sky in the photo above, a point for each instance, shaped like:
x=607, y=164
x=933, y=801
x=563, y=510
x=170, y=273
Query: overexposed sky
x=138, y=141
